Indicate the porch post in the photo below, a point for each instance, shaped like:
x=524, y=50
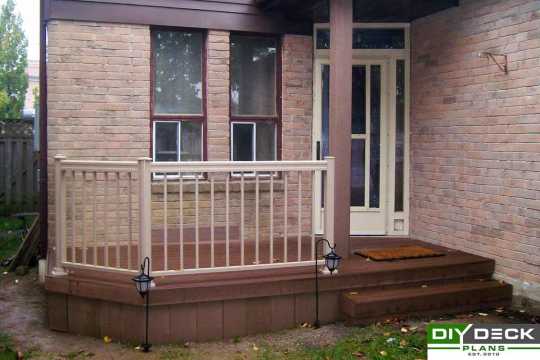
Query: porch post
x=341, y=18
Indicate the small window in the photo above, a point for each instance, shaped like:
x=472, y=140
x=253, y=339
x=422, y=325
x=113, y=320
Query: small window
x=253, y=141
x=177, y=95
x=323, y=38
x=177, y=141
x=378, y=39
x=254, y=95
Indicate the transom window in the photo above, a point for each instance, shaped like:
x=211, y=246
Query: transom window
x=253, y=96
x=178, y=93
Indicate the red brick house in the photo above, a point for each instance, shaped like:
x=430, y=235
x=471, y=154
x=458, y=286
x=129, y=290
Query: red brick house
x=222, y=139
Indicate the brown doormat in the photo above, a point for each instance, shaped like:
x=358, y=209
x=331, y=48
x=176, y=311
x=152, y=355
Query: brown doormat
x=397, y=253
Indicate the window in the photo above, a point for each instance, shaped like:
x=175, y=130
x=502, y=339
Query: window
x=367, y=38
x=254, y=94
x=178, y=92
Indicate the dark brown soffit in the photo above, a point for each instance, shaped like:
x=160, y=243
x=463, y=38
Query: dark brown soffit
x=233, y=15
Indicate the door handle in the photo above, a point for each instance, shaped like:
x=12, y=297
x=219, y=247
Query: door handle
x=318, y=150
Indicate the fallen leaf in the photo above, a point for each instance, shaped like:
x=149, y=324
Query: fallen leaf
x=424, y=286
x=255, y=348
x=383, y=353
x=386, y=334
x=482, y=314
x=107, y=339
x=353, y=293
x=522, y=311
x=404, y=330
x=403, y=343
x=359, y=355
x=390, y=340
x=16, y=281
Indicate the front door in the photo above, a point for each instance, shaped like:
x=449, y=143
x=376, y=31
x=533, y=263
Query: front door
x=369, y=144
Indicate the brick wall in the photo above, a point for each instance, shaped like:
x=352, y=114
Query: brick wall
x=98, y=106
x=475, y=135
x=99, y=86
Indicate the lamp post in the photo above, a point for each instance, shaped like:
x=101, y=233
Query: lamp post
x=143, y=283
x=331, y=261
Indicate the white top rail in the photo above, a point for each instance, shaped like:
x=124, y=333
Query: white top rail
x=238, y=166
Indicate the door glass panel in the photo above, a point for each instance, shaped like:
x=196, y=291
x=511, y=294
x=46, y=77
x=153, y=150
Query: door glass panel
x=375, y=136
x=358, y=150
x=266, y=141
x=359, y=100
x=400, y=134
x=325, y=115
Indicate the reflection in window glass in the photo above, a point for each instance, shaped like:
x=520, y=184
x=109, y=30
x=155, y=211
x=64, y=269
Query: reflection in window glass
x=166, y=145
x=358, y=185
x=375, y=137
x=400, y=135
x=242, y=142
x=378, y=39
x=358, y=100
x=190, y=145
x=177, y=72
x=253, y=75
x=266, y=141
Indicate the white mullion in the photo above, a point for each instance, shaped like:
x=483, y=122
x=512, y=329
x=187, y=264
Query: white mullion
x=178, y=145
x=254, y=143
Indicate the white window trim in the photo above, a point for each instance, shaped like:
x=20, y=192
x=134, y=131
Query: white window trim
x=178, y=148
x=253, y=145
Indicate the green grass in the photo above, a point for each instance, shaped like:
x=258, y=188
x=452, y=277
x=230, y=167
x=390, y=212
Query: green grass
x=6, y=348
x=374, y=342
x=9, y=238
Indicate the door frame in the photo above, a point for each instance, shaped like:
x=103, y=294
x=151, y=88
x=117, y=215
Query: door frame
x=397, y=222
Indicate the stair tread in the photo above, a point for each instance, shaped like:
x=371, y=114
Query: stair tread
x=367, y=296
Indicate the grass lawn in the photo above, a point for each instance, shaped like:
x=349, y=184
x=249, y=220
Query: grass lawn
x=10, y=237
x=6, y=348
x=376, y=342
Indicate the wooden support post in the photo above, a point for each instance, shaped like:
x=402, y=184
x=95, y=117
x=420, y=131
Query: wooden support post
x=145, y=211
x=59, y=208
x=341, y=22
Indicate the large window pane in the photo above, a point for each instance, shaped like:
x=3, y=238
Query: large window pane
x=400, y=134
x=266, y=141
x=359, y=100
x=378, y=39
x=190, y=144
x=166, y=137
x=242, y=142
x=375, y=137
x=177, y=72
x=358, y=185
x=253, y=75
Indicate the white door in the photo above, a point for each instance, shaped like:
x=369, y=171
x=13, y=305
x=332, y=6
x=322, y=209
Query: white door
x=369, y=144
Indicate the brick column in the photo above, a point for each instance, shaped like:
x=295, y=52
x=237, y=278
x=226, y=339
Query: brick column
x=218, y=95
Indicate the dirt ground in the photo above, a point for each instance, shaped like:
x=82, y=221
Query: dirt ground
x=22, y=316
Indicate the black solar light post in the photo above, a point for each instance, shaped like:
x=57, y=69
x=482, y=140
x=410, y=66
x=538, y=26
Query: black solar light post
x=143, y=283
x=331, y=262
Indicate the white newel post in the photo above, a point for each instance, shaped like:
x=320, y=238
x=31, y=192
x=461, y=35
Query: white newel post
x=60, y=211
x=145, y=198
x=329, y=201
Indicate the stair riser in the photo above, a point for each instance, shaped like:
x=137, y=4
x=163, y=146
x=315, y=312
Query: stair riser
x=428, y=313
x=435, y=274
x=428, y=302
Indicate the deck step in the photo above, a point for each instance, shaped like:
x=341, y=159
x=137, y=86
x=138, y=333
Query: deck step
x=364, y=306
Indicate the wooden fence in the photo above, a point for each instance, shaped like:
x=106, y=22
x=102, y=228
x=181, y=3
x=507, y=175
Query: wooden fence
x=18, y=166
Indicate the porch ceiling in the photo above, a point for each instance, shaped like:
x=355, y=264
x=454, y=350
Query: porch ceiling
x=364, y=10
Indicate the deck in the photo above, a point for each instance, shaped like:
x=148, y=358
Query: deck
x=196, y=307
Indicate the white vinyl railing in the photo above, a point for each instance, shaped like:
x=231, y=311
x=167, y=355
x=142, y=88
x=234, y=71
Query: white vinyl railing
x=188, y=217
